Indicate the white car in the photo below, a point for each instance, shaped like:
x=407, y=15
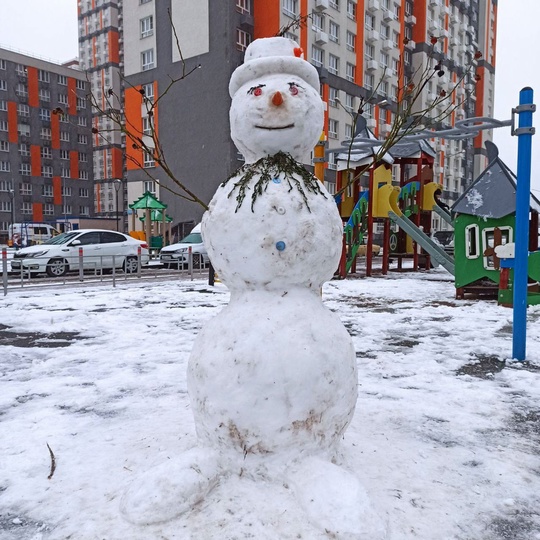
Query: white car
x=176, y=255
x=59, y=255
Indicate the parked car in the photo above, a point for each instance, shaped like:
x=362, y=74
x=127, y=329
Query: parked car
x=445, y=239
x=176, y=255
x=60, y=254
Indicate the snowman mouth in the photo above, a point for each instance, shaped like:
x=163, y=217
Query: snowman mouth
x=288, y=126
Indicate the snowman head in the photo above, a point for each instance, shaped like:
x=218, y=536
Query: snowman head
x=276, y=104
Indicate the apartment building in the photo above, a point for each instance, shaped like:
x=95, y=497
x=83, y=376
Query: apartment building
x=45, y=145
x=100, y=56
x=361, y=49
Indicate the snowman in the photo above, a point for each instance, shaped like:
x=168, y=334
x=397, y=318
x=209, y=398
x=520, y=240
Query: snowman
x=272, y=378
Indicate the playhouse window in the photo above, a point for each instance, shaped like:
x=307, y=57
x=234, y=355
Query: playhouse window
x=472, y=242
x=489, y=242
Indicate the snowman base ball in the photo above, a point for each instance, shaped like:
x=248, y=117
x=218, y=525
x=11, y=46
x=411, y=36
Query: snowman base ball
x=272, y=378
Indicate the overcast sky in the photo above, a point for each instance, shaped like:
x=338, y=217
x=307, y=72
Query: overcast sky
x=48, y=28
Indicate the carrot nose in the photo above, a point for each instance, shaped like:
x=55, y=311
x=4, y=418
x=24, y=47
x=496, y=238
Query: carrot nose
x=277, y=99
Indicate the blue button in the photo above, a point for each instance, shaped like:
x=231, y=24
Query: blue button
x=280, y=246
x=277, y=180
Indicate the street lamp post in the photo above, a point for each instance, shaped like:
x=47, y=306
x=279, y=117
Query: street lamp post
x=117, y=186
x=12, y=196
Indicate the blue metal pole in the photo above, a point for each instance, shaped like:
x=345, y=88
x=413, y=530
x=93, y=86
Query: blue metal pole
x=524, y=133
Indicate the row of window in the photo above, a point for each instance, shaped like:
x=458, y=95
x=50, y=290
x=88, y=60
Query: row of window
x=45, y=152
x=26, y=208
x=44, y=134
x=26, y=188
x=25, y=169
x=43, y=76
x=23, y=110
x=290, y=8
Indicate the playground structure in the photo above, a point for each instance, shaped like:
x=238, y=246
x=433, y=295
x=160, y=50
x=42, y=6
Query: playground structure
x=409, y=206
x=156, y=223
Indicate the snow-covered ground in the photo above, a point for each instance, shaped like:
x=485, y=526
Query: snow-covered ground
x=445, y=437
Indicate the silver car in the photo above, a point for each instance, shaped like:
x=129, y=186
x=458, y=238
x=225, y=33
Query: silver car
x=177, y=255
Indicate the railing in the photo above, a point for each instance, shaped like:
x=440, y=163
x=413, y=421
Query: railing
x=76, y=269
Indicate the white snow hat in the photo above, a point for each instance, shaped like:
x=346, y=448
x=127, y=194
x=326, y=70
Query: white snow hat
x=270, y=56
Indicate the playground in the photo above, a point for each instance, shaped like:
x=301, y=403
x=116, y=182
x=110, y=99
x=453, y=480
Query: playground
x=445, y=436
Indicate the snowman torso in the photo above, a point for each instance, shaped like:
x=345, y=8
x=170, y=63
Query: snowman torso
x=275, y=370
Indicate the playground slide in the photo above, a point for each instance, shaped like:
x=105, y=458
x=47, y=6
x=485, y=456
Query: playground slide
x=436, y=252
x=443, y=213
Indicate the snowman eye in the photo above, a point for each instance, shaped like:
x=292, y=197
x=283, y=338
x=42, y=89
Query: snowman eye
x=293, y=88
x=256, y=90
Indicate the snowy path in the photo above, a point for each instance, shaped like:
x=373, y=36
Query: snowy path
x=445, y=437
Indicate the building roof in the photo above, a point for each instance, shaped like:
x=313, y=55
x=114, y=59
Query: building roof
x=493, y=193
x=412, y=149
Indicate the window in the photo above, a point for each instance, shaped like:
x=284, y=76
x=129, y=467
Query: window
x=65, y=172
x=147, y=126
x=335, y=4
x=3, y=105
x=148, y=160
x=23, y=110
x=148, y=90
x=351, y=10
x=21, y=70
x=64, y=154
x=242, y=6
x=317, y=56
x=5, y=206
x=369, y=80
x=333, y=96
x=82, y=139
x=370, y=22
x=83, y=192
x=348, y=131
x=2, y=63
x=317, y=21
x=44, y=94
x=64, y=118
x=66, y=191
x=488, y=237
x=4, y=125
x=333, y=32
x=81, y=121
x=62, y=79
x=25, y=189
x=47, y=191
x=26, y=208
x=64, y=136
x=385, y=31
x=3, y=85
x=24, y=150
x=45, y=114
x=45, y=134
x=351, y=41
x=147, y=26
x=349, y=102
x=384, y=59
x=5, y=166
x=83, y=157
x=46, y=152
x=472, y=239
x=144, y=1
x=81, y=85
x=350, y=72
x=290, y=7
x=150, y=186
x=369, y=51
x=243, y=39
x=147, y=59
x=83, y=175
x=4, y=146
x=48, y=208
x=5, y=185
x=22, y=129
x=84, y=210
x=333, y=128
x=81, y=103
x=333, y=64
x=44, y=76
x=47, y=171
x=66, y=209
x=62, y=99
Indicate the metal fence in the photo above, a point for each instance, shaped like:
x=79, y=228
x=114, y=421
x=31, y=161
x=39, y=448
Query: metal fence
x=85, y=268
